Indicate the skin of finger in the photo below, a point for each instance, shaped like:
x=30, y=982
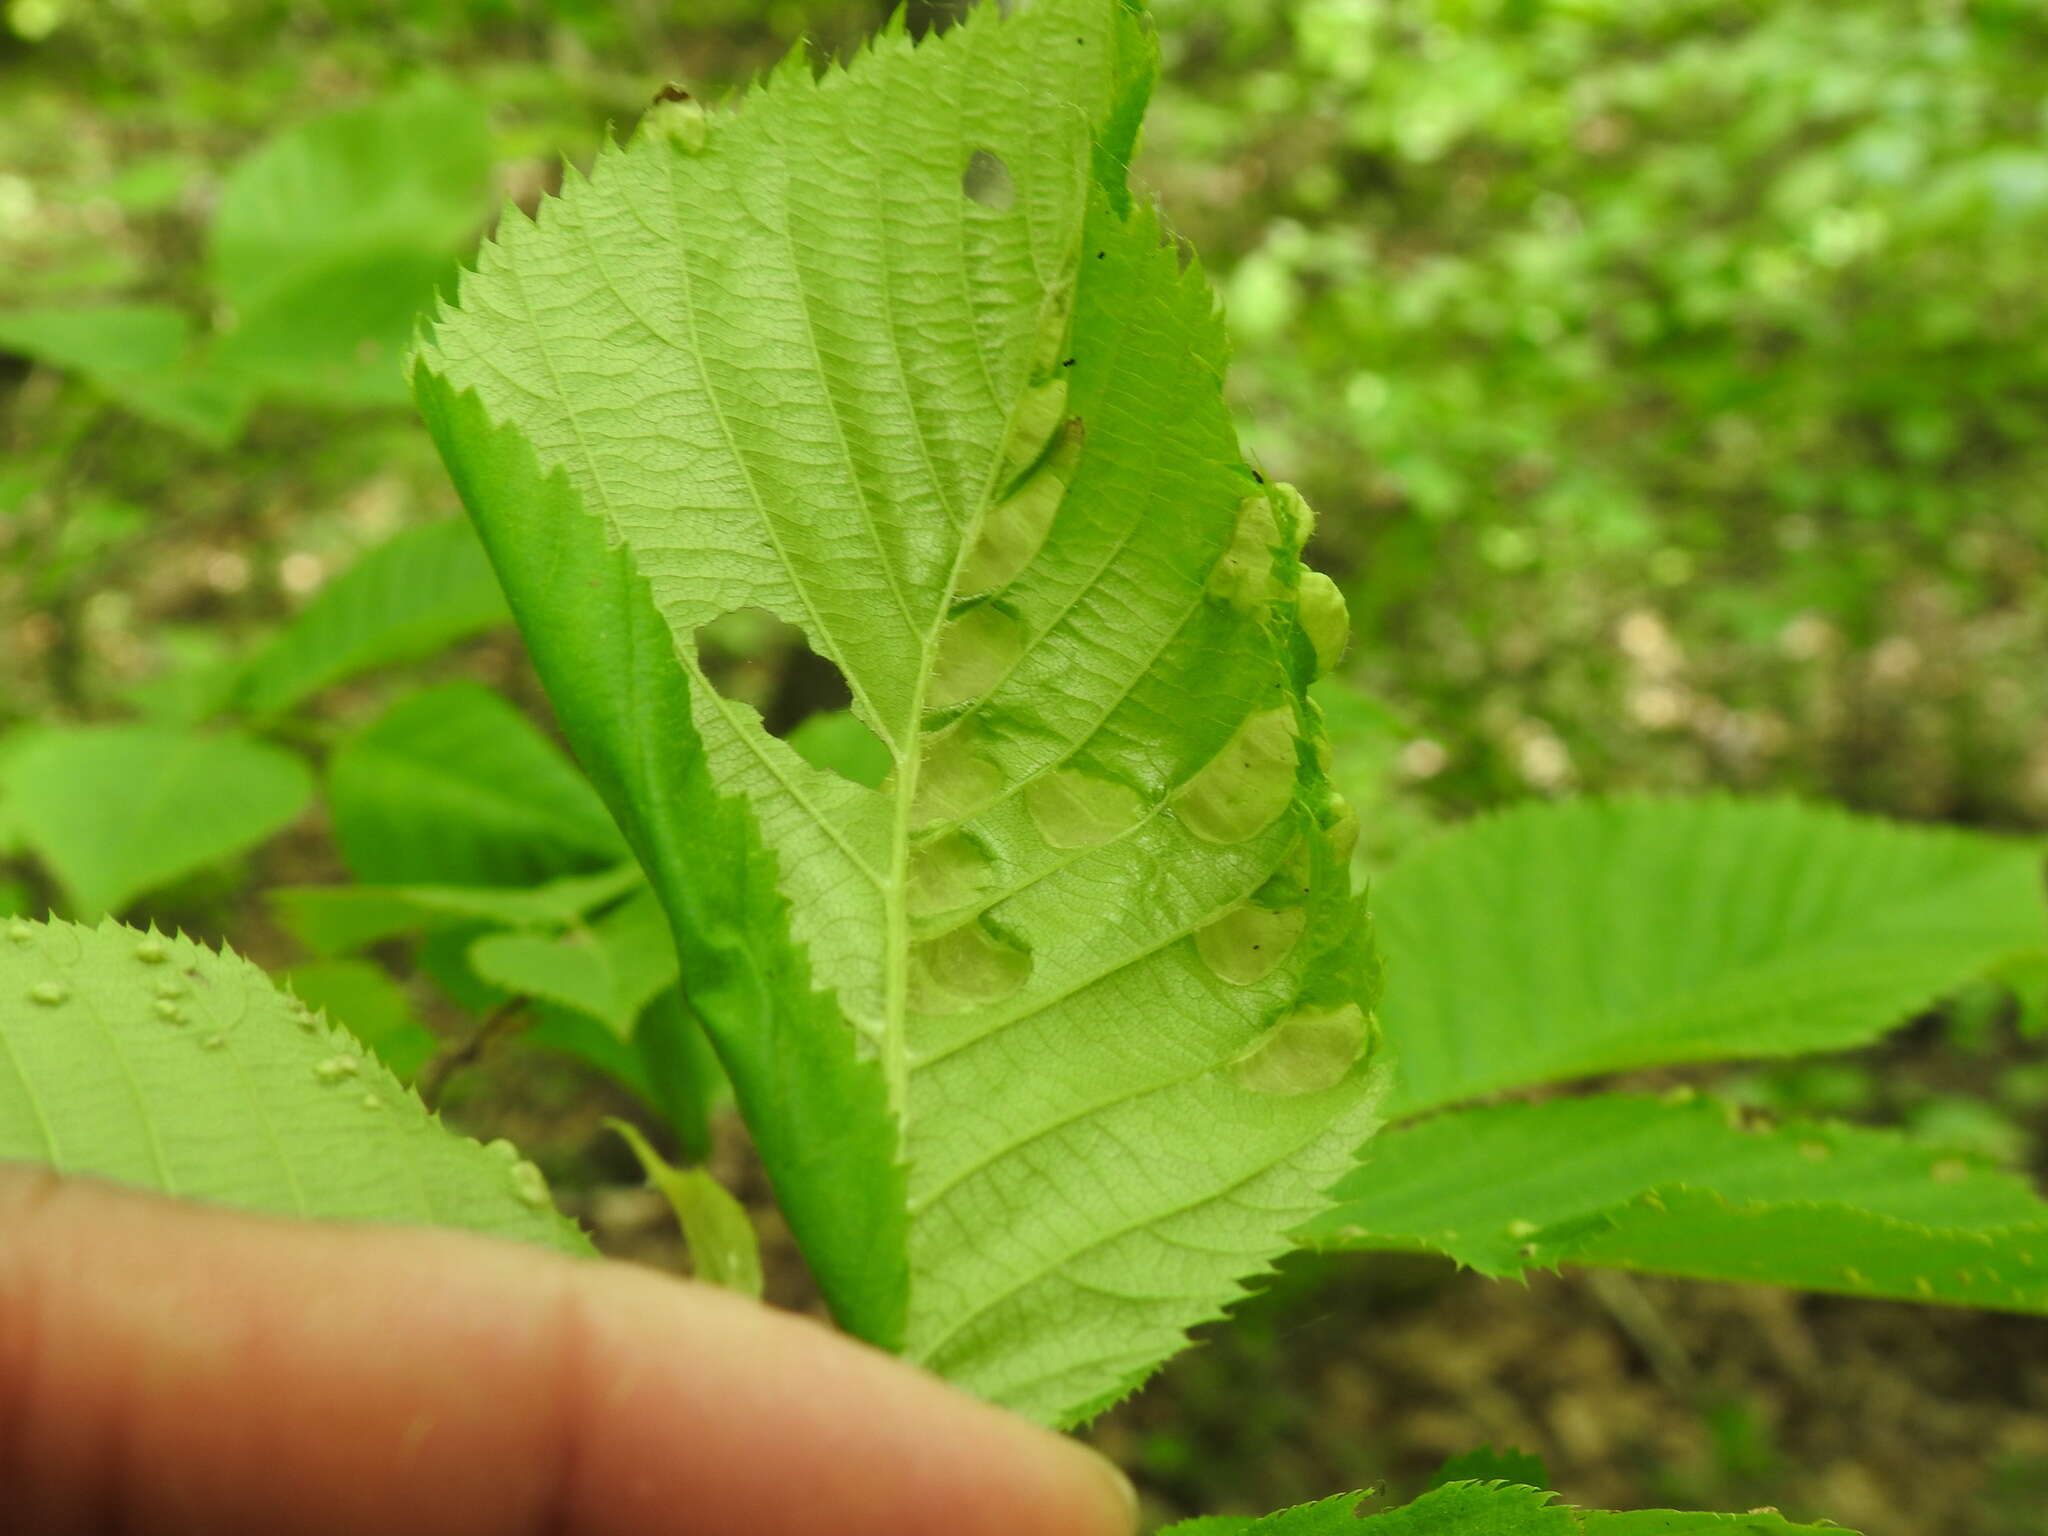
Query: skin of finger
x=168, y=1368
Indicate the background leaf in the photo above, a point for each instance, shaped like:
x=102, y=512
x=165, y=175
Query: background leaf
x=138, y=355
x=1559, y=941
x=1685, y=1188
x=610, y=969
x=454, y=786
x=1495, y=1509
x=157, y=1062
x=118, y=810
x=409, y=597
x=331, y=237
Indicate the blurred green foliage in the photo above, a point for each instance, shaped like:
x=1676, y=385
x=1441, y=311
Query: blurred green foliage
x=1670, y=375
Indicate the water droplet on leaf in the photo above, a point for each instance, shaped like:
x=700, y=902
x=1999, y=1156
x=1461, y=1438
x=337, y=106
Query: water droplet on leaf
x=1307, y=1051
x=169, y=1011
x=1247, y=943
x=975, y=652
x=371, y=1101
x=1073, y=808
x=1239, y=792
x=966, y=968
x=213, y=1042
x=1521, y=1228
x=20, y=931
x=169, y=988
x=152, y=950
x=49, y=994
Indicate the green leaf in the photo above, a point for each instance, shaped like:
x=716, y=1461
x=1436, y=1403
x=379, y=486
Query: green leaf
x=1687, y=1188
x=337, y=919
x=331, y=237
x=118, y=810
x=407, y=598
x=140, y=356
x=1559, y=941
x=610, y=970
x=157, y=1062
x=374, y=1005
x=837, y=741
x=1486, y=1465
x=1496, y=1509
x=453, y=786
x=723, y=1247
x=1050, y=1039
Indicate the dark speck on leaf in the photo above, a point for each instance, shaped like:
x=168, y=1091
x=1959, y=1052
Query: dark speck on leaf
x=670, y=92
x=1100, y=254
x=1068, y=363
x=1258, y=477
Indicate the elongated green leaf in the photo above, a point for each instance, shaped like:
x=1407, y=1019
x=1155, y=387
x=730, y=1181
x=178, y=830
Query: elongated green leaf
x=1558, y=941
x=140, y=357
x=610, y=970
x=1048, y=1040
x=1497, y=1509
x=453, y=786
x=1686, y=1188
x=724, y=1249
x=337, y=919
x=118, y=810
x=409, y=597
x=158, y=1062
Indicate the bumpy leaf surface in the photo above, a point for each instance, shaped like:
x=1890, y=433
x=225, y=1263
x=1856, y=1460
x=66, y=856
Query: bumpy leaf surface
x=1048, y=1040
x=1560, y=941
x=158, y=1062
x=1687, y=1189
x=1496, y=1509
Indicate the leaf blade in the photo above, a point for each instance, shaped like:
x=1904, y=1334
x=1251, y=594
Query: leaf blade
x=159, y=1062
x=1559, y=941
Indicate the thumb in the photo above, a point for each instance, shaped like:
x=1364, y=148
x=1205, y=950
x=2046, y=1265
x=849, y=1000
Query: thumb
x=171, y=1368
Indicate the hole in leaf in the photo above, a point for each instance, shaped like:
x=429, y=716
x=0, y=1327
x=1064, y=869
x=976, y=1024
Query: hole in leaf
x=987, y=180
x=754, y=658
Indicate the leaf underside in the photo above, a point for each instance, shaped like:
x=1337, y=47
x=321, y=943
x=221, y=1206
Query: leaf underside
x=1559, y=941
x=1687, y=1189
x=1050, y=1039
x=158, y=1062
